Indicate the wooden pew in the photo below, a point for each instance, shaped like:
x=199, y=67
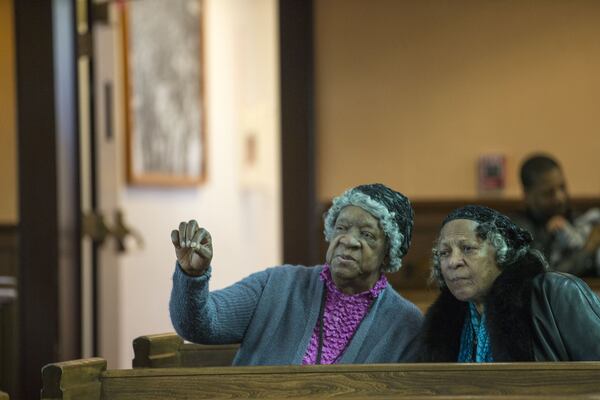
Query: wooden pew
x=168, y=350
x=89, y=379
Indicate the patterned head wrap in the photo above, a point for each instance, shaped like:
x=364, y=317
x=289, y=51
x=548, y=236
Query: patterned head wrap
x=516, y=237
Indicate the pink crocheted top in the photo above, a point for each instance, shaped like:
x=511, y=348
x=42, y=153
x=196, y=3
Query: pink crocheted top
x=341, y=317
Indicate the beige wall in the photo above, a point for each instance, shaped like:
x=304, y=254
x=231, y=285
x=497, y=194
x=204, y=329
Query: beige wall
x=8, y=150
x=412, y=92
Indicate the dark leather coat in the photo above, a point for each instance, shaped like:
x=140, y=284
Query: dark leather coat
x=532, y=315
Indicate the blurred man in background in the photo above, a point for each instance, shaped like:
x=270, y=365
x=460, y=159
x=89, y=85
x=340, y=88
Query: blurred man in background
x=570, y=242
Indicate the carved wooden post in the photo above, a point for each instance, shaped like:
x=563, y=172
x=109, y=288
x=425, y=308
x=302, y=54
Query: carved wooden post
x=157, y=351
x=70, y=380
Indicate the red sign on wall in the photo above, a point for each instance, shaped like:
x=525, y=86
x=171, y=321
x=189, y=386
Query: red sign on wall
x=492, y=172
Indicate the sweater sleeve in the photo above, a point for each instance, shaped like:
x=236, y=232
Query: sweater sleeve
x=218, y=317
x=566, y=318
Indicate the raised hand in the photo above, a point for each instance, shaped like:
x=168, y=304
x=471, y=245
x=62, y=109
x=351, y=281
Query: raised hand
x=193, y=247
x=556, y=223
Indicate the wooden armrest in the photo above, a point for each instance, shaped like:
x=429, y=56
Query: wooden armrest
x=80, y=379
x=168, y=350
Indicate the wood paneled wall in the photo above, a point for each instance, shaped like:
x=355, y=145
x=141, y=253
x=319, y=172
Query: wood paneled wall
x=9, y=361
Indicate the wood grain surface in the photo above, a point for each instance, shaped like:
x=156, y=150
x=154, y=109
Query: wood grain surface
x=530, y=380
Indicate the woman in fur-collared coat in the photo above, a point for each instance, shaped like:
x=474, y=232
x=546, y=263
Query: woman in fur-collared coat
x=498, y=302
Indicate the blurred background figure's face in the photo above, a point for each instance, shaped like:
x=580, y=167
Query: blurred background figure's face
x=548, y=197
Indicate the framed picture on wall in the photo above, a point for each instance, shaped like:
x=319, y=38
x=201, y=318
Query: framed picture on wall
x=164, y=102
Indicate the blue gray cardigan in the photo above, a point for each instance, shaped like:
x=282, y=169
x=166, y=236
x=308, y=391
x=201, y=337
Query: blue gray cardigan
x=273, y=313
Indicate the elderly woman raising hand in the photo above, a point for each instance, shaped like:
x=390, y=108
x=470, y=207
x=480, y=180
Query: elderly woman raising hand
x=343, y=311
x=498, y=303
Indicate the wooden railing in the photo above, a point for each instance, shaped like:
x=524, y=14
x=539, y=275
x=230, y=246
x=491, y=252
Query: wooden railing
x=89, y=379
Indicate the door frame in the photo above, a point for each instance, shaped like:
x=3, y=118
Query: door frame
x=48, y=176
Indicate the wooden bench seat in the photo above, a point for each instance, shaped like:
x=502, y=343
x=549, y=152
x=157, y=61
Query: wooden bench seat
x=89, y=379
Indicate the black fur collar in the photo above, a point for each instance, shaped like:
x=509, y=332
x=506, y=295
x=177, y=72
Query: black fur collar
x=508, y=308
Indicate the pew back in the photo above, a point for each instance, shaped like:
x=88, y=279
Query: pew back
x=89, y=379
x=168, y=350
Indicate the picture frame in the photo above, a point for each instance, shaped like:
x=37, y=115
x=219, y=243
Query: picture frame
x=163, y=71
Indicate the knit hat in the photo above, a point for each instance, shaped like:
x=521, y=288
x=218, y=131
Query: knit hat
x=517, y=239
x=391, y=208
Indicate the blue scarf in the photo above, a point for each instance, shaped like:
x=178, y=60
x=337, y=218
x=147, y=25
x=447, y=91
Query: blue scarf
x=475, y=329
